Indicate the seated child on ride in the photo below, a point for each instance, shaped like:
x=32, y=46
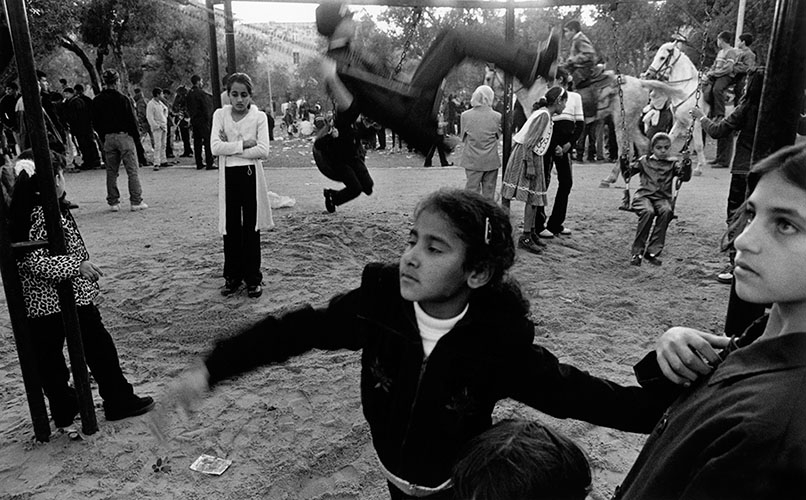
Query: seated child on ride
x=653, y=199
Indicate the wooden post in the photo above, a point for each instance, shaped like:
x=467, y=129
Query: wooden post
x=229, y=36
x=784, y=78
x=34, y=115
x=215, y=78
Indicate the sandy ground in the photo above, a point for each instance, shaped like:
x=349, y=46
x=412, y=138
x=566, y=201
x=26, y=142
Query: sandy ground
x=296, y=431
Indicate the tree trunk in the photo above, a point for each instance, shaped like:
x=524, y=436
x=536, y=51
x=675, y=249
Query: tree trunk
x=117, y=50
x=100, y=52
x=73, y=47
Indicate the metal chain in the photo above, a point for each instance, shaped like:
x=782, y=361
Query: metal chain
x=411, y=28
x=698, y=92
x=623, y=157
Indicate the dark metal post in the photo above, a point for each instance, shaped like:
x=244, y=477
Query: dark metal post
x=22, y=336
x=34, y=115
x=215, y=79
x=229, y=36
x=506, y=122
x=784, y=78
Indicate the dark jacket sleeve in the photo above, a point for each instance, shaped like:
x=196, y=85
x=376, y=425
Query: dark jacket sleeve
x=564, y=391
x=275, y=339
x=724, y=127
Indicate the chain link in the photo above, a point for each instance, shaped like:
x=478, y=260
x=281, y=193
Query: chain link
x=698, y=92
x=625, y=145
x=411, y=28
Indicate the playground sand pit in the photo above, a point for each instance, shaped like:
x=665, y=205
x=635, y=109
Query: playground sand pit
x=296, y=431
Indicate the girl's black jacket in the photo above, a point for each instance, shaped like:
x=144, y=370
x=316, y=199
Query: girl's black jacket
x=421, y=411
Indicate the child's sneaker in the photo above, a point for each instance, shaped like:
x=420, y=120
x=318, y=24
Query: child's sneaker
x=254, y=291
x=652, y=259
x=635, y=260
x=115, y=207
x=140, y=206
x=230, y=287
x=526, y=243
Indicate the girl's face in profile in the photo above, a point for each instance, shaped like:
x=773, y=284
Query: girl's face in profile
x=432, y=267
x=240, y=97
x=771, y=251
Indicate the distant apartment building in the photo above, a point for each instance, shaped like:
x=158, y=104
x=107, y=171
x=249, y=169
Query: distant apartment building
x=288, y=43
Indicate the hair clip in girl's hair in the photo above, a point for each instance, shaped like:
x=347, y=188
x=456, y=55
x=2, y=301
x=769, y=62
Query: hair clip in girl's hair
x=488, y=231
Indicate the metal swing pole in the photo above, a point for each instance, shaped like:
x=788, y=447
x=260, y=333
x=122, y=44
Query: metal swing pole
x=215, y=79
x=509, y=37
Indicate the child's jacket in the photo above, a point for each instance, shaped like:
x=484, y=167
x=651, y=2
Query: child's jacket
x=40, y=271
x=422, y=411
x=656, y=176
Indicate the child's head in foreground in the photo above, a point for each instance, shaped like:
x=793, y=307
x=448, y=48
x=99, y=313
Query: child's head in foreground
x=660, y=145
x=521, y=460
x=771, y=250
x=459, y=242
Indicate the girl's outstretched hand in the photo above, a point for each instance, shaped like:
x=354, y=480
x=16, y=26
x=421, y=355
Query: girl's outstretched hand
x=684, y=354
x=188, y=389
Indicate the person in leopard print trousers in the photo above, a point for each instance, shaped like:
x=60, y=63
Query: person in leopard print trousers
x=40, y=272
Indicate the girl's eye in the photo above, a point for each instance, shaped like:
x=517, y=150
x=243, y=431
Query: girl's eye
x=784, y=226
x=434, y=250
x=749, y=215
x=411, y=242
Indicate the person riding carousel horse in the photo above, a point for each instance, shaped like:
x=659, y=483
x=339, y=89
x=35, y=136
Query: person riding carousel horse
x=409, y=108
x=583, y=63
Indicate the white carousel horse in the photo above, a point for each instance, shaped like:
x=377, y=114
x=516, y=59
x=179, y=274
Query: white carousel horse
x=674, y=75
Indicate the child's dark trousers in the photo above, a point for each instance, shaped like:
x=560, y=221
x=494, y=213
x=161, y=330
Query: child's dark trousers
x=48, y=336
x=661, y=211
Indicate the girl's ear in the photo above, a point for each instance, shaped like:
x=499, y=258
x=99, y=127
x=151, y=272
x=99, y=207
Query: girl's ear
x=479, y=277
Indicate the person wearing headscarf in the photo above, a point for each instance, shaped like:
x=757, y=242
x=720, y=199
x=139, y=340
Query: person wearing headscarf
x=481, y=129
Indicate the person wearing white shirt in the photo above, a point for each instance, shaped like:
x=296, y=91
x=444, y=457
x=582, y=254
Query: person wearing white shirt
x=568, y=126
x=240, y=140
x=157, y=116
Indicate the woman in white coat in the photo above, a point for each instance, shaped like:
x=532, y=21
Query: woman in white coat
x=481, y=128
x=240, y=140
